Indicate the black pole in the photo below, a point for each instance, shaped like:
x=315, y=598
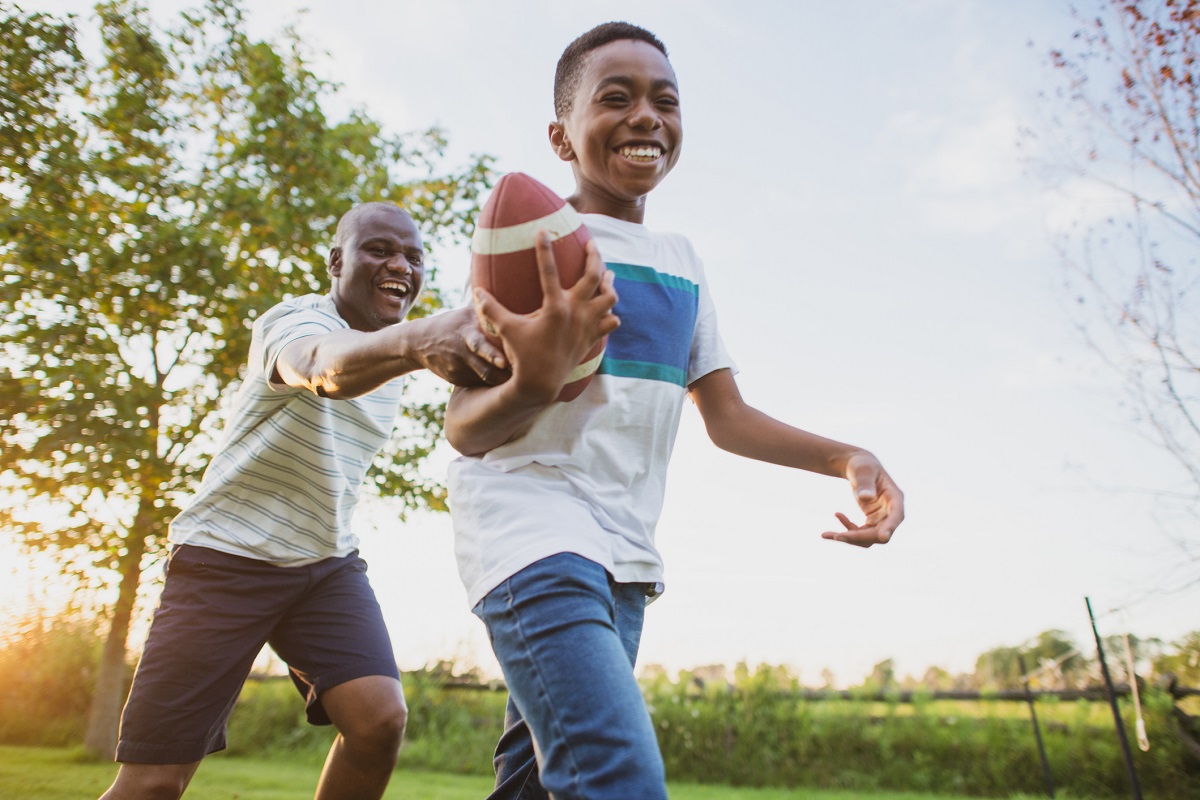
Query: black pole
x=1037, y=730
x=1112, y=701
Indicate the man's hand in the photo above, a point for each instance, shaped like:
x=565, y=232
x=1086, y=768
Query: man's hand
x=879, y=498
x=543, y=347
x=456, y=350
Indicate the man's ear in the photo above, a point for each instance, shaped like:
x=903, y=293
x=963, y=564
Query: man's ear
x=335, y=262
x=559, y=143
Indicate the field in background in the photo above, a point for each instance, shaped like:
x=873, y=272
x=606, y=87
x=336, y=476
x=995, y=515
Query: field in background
x=58, y=774
x=755, y=728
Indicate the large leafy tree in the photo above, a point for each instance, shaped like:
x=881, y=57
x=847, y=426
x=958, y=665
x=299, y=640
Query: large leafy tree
x=1123, y=140
x=155, y=197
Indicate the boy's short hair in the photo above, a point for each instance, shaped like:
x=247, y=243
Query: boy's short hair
x=570, y=64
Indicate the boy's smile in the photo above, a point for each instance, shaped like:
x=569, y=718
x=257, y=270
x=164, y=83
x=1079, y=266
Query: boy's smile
x=623, y=132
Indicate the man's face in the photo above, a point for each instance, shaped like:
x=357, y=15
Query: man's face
x=624, y=131
x=378, y=269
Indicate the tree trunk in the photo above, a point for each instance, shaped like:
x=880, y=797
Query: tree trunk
x=100, y=740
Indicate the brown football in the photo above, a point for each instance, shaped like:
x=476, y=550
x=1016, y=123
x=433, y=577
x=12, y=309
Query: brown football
x=504, y=263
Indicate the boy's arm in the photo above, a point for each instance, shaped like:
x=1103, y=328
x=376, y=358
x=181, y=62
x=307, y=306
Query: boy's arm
x=542, y=348
x=734, y=426
x=349, y=363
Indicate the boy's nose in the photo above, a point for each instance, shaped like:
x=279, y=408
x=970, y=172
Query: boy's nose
x=645, y=117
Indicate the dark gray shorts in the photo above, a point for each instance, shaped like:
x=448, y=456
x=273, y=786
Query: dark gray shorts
x=215, y=614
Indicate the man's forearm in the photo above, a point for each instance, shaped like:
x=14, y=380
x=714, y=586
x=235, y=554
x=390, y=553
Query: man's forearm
x=345, y=364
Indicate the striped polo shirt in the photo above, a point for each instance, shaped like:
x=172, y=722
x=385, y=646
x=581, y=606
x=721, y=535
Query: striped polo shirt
x=285, y=480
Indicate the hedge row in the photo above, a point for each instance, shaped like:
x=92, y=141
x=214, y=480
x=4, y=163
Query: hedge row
x=758, y=732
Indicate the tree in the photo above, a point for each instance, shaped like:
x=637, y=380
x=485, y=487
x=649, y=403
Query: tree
x=1051, y=659
x=1124, y=140
x=1181, y=664
x=153, y=200
x=882, y=677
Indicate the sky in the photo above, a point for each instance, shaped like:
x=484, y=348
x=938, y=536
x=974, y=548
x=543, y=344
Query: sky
x=880, y=251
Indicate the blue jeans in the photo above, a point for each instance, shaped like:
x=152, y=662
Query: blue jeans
x=566, y=637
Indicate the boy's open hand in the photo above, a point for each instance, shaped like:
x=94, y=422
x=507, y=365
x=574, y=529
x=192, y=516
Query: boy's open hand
x=878, y=496
x=545, y=346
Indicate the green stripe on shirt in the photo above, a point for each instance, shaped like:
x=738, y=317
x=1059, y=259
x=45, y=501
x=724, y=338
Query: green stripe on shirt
x=643, y=369
x=633, y=272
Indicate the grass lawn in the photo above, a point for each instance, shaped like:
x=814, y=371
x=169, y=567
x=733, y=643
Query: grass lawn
x=40, y=773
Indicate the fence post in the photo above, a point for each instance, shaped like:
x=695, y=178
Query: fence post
x=1112, y=701
x=1037, y=730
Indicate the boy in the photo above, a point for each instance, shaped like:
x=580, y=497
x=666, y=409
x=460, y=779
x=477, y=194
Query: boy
x=554, y=504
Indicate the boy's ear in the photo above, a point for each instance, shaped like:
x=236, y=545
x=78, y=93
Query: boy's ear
x=558, y=141
x=335, y=262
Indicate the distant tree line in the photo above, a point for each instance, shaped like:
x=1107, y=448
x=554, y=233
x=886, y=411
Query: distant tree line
x=754, y=726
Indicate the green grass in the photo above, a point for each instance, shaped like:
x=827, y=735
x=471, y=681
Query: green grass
x=41, y=773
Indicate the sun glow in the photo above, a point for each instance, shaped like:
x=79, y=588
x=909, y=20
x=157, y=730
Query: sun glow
x=31, y=586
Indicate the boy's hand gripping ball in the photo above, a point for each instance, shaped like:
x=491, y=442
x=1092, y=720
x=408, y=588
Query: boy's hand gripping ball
x=503, y=260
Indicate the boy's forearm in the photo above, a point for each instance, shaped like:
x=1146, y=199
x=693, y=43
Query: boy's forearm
x=482, y=418
x=743, y=430
x=763, y=438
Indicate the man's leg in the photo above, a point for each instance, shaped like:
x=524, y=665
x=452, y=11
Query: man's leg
x=554, y=629
x=369, y=714
x=337, y=646
x=212, y=619
x=151, y=781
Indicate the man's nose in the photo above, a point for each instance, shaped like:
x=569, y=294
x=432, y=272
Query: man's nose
x=399, y=262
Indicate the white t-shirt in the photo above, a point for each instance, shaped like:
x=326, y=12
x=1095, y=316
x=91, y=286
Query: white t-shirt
x=589, y=476
x=285, y=480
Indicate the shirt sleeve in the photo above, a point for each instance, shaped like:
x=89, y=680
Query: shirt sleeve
x=282, y=325
x=708, y=352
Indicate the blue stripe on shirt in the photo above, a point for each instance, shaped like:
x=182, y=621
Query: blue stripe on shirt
x=658, y=317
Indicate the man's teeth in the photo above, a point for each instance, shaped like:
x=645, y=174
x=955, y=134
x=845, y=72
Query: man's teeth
x=394, y=286
x=649, y=153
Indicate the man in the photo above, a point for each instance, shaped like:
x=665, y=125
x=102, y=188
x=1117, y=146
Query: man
x=264, y=552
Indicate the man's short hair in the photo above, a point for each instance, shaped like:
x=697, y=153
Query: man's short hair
x=569, y=72
x=350, y=218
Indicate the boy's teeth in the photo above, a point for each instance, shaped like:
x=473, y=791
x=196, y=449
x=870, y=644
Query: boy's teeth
x=395, y=286
x=641, y=152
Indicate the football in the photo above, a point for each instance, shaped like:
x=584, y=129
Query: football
x=504, y=263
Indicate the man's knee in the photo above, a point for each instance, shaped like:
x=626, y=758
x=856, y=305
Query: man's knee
x=151, y=782
x=382, y=730
x=370, y=714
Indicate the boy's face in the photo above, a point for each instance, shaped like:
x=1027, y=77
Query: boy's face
x=379, y=270
x=624, y=131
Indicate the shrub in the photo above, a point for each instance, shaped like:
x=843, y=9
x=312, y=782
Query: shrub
x=756, y=733
x=47, y=670
x=450, y=729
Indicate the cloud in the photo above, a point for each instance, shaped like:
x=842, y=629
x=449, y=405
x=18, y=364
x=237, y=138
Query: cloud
x=963, y=171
